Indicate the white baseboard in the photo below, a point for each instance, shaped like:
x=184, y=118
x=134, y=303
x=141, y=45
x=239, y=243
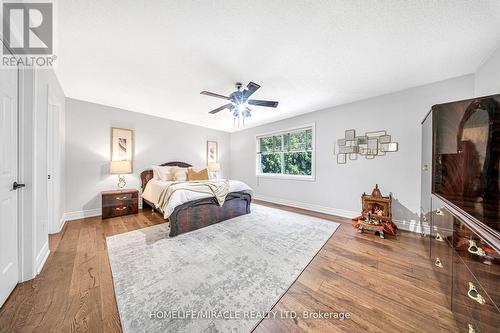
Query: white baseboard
x=413, y=226
x=41, y=258
x=316, y=208
x=81, y=214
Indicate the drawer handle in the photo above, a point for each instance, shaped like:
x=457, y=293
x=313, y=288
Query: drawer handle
x=122, y=198
x=474, y=249
x=439, y=238
x=473, y=294
x=439, y=212
x=438, y=263
x=120, y=208
x=471, y=329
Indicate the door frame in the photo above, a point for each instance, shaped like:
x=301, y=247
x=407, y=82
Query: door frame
x=24, y=229
x=54, y=161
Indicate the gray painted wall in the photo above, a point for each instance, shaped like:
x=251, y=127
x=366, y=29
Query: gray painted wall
x=488, y=76
x=337, y=188
x=157, y=140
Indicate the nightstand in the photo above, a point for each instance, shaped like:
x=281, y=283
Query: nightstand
x=119, y=203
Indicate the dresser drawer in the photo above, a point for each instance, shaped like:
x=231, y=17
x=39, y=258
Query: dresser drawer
x=442, y=259
x=441, y=219
x=119, y=203
x=117, y=199
x=114, y=211
x=471, y=305
x=482, y=261
x=425, y=222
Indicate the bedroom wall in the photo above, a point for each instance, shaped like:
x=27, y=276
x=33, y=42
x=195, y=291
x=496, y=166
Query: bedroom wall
x=157, y=140
x=337, y=188
x=488, y=76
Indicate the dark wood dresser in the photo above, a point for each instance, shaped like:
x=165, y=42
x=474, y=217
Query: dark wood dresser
x=460, y=208
x=119, y=203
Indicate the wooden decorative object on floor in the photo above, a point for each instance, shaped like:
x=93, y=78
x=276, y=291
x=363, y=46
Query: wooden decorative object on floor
x=119, y=203
x=376, y=214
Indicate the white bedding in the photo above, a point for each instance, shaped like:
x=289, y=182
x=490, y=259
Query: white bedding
x=154, y=187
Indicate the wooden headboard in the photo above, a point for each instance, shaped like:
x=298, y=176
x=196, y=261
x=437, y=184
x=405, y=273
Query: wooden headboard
x=147, y=175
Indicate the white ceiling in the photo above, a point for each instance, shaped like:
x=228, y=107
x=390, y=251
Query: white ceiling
x=155, y=57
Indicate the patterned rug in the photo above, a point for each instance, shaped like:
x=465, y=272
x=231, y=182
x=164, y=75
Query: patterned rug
x=221, y=278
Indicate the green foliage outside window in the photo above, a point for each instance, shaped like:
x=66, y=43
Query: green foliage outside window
x=289, y=153
x=271, y=163
x=298, y=163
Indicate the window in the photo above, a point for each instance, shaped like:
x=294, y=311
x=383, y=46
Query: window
x=287, y=154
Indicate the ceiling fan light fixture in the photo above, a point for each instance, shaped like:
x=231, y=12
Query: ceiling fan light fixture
x=242, y=107
x=239, y=101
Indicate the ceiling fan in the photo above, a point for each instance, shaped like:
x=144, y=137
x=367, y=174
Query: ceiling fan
x=239, y=101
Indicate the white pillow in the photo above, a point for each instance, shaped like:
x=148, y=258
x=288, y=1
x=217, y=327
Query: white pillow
x=180, y=174
x=166, y=172
x=156, y=172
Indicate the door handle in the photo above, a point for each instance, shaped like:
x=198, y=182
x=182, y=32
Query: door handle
x=15, y=186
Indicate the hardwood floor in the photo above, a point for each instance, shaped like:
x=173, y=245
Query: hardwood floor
x=385, y=285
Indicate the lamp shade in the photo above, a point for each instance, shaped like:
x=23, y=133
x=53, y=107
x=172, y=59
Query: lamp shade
x=120, y=167
x=213, y=167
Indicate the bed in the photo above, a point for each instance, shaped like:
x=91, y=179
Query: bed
x=199, y=212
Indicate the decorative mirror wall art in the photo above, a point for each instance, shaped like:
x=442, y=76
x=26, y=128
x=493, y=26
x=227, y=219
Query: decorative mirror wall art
x=369, y=145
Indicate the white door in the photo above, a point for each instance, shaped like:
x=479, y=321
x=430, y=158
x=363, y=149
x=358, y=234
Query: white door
x=9, y=272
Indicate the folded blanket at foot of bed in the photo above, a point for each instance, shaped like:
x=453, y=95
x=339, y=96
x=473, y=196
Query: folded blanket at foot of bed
x=219, y=190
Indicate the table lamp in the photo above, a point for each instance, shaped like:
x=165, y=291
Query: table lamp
x=214, y=167
x=120, y=168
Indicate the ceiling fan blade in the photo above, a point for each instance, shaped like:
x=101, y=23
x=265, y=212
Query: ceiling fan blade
x=227, y=106
x=258, y=102
x=250, y=89
x=208, y=93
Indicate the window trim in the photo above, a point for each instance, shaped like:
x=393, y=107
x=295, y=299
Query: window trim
x=312, y=177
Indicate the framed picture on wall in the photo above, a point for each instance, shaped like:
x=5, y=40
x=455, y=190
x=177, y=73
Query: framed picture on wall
x=122, y=144
x=212, y=152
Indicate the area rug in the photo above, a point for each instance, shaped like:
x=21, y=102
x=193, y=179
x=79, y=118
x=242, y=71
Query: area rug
x=221, y=278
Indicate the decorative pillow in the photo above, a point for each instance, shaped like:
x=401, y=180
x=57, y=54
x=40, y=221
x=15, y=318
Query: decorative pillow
x=180, y=175
x=156, y=172
x=200, y=175
x=166, y=173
